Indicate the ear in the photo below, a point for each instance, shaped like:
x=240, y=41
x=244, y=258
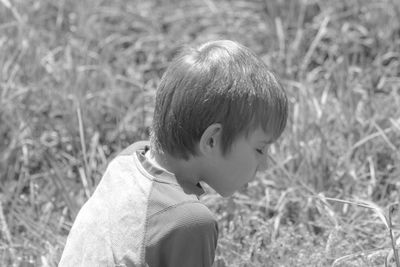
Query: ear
x=210, y=139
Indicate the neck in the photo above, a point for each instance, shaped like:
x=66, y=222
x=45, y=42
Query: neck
x=184, y=170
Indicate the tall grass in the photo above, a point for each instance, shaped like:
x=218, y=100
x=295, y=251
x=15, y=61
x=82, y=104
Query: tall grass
x=77, y=84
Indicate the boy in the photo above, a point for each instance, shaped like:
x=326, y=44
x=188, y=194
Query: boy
x=218, y=108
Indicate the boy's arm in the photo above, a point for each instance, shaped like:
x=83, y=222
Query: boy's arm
x=184, y=235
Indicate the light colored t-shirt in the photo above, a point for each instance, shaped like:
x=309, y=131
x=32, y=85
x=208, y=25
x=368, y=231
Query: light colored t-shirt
x=141, y=215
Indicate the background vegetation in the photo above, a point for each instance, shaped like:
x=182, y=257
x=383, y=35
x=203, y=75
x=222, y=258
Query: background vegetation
x=77, y=84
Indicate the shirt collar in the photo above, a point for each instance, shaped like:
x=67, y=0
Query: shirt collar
x=163, y=176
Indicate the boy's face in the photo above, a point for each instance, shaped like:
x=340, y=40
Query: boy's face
x=226, y=174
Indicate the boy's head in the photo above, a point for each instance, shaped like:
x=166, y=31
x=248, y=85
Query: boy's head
x=220, y=82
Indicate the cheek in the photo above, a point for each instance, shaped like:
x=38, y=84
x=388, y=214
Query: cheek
x=245, y=163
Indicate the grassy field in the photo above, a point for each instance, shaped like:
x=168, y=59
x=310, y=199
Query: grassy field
x=77, y=84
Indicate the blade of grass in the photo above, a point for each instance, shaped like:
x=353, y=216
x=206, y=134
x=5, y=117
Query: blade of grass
x=5, y=230
x=211, y=5
x=395, y=123
x=384, y=136
x=83, y=143
x=354, y=255
x=84, y=183
x=368, y=138
x=364, y=204
x=59, y=183
x=393, y=242
x=291, y=177
x=281, y=37
x=14, y=11
x=321, y=33
x=329, y=210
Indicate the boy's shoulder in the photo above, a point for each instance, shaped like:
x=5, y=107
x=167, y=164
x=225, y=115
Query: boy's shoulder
x=137, y=207
x=168, y=195
x=174, y=214
x=171, y=205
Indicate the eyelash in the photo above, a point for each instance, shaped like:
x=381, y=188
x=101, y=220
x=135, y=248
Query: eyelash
x=260, y=151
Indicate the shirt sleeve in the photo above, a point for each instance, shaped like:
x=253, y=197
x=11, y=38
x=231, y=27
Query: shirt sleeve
x=183, y=235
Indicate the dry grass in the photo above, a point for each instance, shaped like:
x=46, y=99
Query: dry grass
x=77, y=81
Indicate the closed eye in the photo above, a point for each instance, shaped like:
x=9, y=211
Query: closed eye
x=260, y=151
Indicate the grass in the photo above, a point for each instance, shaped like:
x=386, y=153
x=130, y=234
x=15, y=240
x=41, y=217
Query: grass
x=77, y=84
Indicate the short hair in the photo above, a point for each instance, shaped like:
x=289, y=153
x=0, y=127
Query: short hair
x=218, y=82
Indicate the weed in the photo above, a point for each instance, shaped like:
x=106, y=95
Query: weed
x=77, y=84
